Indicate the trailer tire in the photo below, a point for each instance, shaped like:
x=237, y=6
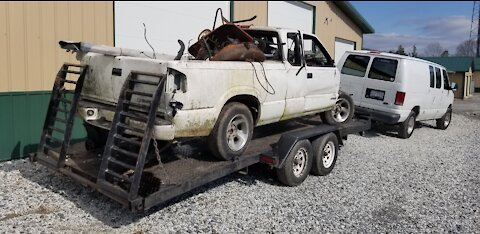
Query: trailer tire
x=297, y=165
x=341, y=113
x=325, y=152
x=444, y=122
x=232, y=132
x=408, y=126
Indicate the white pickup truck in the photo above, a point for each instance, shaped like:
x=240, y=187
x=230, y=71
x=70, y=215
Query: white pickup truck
x=224, y=100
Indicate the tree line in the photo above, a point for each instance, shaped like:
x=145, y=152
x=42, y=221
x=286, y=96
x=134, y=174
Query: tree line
x=435, y=49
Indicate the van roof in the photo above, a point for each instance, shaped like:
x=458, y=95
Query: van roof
x=397, y=56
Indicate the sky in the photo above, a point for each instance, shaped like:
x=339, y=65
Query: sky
x=418, y=23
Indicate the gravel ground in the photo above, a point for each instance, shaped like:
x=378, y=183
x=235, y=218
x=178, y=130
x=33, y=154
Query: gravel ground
x=428, y=183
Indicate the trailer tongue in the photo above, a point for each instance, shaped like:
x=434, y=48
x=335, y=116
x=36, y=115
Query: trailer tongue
x=140, y=180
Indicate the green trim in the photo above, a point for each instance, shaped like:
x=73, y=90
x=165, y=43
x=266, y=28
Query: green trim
x=314, y=19
x=232, y=9
x=113, y=6
x=355, y=16
x=21, y=122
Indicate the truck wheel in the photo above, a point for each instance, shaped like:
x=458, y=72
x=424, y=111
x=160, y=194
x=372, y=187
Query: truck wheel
x=297, y=165
x=444, y=122
x=407, y=127
x=341, y=113
x=232, y=132
x=325, y=151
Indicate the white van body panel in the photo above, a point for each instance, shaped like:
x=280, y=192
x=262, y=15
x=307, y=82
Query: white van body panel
x=412, y=77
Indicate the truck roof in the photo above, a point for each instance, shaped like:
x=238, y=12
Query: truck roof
x=274, y=29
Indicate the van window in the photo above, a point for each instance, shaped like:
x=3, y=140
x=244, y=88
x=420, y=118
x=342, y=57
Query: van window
x=446, y=84
x=383, y=69
x=438, y=78
x=432, y=77
x=355, y=65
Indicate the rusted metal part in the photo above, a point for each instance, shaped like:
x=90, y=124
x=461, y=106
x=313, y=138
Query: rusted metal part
x=240, y=52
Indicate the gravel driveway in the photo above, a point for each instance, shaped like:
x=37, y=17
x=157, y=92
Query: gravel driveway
x=428, y=183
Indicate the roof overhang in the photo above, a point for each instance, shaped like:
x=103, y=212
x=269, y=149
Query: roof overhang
x=355, y=16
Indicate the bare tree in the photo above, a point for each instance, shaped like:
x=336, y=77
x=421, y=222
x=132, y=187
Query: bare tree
x=433, y=49
x=466, y=48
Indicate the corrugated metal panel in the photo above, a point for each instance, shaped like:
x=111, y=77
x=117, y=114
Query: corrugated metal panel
x=21, y=121
x=30, y=31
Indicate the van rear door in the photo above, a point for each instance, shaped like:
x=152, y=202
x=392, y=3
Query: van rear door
x=353, y=72
x=380, y=86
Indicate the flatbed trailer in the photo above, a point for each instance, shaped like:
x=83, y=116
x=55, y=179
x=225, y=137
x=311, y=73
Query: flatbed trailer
x=160, y=181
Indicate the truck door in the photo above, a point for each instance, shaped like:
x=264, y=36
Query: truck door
x=322, y=77
x=296, y=77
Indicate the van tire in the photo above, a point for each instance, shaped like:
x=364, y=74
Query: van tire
x=444, y=122
x=297, y=165
x=341, y=113
x=406, y=128
x=238, y=118
x=325, y=152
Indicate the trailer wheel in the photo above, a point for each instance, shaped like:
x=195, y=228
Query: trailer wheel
x=341, y=113
x=297, y=164
x=444, y=122
x=407, y=127
x=325, y=152
x=232, y=132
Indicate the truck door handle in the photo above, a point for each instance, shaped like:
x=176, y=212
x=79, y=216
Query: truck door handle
x=309, y=75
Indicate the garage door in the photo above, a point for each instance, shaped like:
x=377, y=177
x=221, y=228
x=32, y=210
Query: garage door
x=166, y=23
x=293, y=15
x=341, y=46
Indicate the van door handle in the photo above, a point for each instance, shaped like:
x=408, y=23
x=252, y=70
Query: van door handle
x=309, y=75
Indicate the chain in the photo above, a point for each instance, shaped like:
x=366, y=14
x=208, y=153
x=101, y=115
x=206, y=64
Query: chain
x=157, y=153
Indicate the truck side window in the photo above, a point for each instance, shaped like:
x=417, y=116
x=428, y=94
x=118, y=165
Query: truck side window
x=438, y=78
x=432, y=77
x=383, y=69
x=315, y=54
x=294, y=51
x=355, y=65
x=446, y=84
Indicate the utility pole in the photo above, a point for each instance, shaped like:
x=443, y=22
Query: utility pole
x=474, y=27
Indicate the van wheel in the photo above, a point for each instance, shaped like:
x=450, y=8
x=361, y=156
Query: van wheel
x=325, y=151
x=297, y=164
x=232, y=132
x=341, y=113
x=444, y=122
x=407, y=127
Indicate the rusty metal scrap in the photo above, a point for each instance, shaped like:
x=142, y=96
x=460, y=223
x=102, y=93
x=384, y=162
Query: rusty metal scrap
x=240, y=52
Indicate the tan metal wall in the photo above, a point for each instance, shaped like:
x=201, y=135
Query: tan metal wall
x=330, y=22
x=29, y=35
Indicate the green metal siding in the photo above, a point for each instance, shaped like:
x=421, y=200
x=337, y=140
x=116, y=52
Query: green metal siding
x=21, y=121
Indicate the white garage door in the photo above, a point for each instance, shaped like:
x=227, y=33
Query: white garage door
x=293, y=15
x=341, y=46
x=166, y=23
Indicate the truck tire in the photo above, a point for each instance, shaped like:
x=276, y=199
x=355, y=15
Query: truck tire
x=408, y=126
x=444, y=122
x=341, y=113
x=297, y=165
x=232, y=132
x=325, y=151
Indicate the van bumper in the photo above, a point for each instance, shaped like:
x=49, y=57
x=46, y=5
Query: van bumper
x=385, y=117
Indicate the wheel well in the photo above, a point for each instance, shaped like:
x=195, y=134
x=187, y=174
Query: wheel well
x=251, y=102
x=416, y=109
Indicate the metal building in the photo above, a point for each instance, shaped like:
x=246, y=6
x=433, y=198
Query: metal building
x=30, y=31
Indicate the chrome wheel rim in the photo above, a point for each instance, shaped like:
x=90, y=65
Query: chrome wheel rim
x=328, y=154
x=448, y=118
x=299, y=162
x=237, y=132
x=411, y=125
x=341, y=111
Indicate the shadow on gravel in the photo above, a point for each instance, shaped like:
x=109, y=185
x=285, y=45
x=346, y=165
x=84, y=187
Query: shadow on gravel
x=379, y=129
x=108, y=211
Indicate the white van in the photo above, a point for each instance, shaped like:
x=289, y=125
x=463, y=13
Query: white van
x=396, y=89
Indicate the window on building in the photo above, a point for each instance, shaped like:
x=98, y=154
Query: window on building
x=383, y=69
x=432, y=77
x=294, y=54
x=438, y=78
x=446, y=83
x=355, y=65
x=315, y=54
